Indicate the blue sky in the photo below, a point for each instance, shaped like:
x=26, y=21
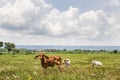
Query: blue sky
x=83, y=5
x=60, y=22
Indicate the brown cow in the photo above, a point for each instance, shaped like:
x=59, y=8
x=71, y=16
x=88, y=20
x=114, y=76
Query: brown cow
x=49, y=61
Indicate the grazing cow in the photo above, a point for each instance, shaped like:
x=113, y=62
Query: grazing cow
x=97, y=63
x=67, y=63
x=49, y=61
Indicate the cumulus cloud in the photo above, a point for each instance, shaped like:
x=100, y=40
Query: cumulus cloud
x=115, y=3
x=4, y=2
x=22, y=13
x=71, y=22
x=114, y=26
x=42, y=23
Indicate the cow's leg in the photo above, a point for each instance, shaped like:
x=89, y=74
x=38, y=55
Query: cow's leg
x=60, y=68
x=45, y=70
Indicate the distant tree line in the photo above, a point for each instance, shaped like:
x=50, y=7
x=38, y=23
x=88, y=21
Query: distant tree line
x=80, y=51
x=11, y=47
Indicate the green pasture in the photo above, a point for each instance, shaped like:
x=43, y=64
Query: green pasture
x=25, y=67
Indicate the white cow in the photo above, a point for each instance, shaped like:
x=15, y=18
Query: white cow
x=67, y=63
x=97, y=63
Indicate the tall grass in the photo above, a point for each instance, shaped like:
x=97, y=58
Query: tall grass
x=24, y=67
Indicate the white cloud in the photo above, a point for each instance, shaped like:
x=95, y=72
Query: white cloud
x=71, y=22
x=21, y=12
x=4, y=2
x=36, y=22
x=114, y=23
x=115, y=3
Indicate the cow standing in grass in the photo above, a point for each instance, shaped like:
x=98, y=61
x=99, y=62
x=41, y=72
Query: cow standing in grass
x=49, y=61
x=67, y=63
x=97, y=63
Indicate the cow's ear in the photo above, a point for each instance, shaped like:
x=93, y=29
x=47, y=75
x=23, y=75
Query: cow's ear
x=38, y=56
x=45, y=56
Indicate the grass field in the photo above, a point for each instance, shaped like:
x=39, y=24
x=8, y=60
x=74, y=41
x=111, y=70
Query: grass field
x=24, y=67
